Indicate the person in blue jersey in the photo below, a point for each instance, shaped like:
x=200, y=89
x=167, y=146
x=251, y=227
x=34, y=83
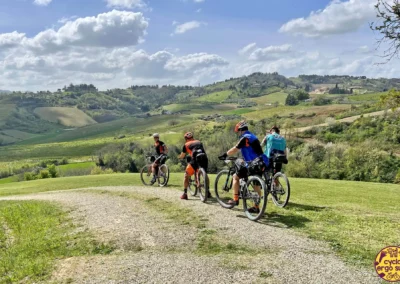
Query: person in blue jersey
x=251, y=149
x=274, y=144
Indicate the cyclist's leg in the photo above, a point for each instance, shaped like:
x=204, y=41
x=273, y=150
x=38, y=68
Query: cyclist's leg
x=188, y=173
x=235, y=186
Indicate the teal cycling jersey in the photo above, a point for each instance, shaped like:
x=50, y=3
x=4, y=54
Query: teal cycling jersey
x=275, y=142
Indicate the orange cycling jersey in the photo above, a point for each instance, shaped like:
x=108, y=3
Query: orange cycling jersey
x=192, y=145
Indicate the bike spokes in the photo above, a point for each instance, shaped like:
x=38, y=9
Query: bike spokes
x=254, y=198
x=202, y=184
x=280, y=190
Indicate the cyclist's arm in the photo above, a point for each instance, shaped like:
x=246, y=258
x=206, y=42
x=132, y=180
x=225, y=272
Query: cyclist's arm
x=232, y=151
x=264, y=140
x=165, y=149
x=183, y=154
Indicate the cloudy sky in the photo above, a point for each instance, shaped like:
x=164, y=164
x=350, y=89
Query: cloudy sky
x=46, y=44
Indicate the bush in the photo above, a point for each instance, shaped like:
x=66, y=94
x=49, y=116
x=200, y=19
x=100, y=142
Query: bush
x=29, y=176
x=100, y=171
x=117, y=157
x=44, y=174
x=53, y=171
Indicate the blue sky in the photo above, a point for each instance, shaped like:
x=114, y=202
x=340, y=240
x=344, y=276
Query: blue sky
x=45, y=44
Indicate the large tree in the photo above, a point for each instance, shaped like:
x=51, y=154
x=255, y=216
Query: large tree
x=388, y=25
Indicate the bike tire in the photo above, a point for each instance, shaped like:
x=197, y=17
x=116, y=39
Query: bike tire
x=275, y=197
x=248, y=195
x=203, y=185
x=166, y=178
x=224, y=186
x=146, y=172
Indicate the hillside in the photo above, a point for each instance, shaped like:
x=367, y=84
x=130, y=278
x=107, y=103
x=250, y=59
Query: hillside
x=235, y=96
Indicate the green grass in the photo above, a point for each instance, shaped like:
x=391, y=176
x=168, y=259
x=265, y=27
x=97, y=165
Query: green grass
x=216, y=97
x=33, y=236
x=356, y=219
x=279, y=97
x=67, y=116
x=75, y=166
x=374, y=97
x=5, y=111
x=239, y=111
x=9, y=180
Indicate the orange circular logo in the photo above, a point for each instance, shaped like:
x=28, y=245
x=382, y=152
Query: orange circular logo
x=387, y=264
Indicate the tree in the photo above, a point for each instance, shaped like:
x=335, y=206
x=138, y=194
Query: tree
x=389, y=27
x=291, y=100
x=391, y=100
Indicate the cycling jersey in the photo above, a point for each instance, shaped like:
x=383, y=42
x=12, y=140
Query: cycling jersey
x=275, y=144
x=250, y=147
x=191, y=146
x=160, y=147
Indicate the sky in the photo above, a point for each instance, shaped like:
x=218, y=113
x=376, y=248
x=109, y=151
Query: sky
x=46, y=44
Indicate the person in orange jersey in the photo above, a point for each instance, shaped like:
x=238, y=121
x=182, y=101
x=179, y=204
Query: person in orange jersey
x=198, y=157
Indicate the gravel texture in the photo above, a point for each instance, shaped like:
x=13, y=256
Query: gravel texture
x=153, y=248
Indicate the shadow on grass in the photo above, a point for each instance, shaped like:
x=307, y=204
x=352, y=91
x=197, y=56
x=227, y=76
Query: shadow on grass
x=303, y=207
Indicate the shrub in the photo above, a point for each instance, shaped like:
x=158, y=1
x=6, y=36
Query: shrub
x=44, y=174
x=100, y=171
x=53, y=171
x=29, y=176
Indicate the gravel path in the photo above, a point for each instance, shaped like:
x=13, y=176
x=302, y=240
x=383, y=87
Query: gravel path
x=153, y=248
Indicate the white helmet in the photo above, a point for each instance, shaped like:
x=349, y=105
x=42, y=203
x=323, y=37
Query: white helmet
x=156, y=135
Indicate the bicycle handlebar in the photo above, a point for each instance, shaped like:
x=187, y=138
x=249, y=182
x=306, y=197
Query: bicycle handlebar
x=227, y=158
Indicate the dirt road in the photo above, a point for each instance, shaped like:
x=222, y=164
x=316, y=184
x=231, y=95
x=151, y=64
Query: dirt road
x=162, y=239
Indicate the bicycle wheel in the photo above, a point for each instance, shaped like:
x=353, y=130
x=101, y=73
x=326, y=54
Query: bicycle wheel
x=280, y=190
x=254, y=197
x=203, y=184
x=146, y=174
x=223, y=188
x=163, y=175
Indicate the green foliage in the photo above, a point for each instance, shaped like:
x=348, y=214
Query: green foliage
x=100, y=171
x=391, y=100
x=117, y=157
x=297, y=96
x=322, y=100
x=44, y=174
x=29, y=176
x=53, y=171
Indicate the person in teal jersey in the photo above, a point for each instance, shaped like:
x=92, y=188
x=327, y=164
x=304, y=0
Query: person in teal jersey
x=274, y=144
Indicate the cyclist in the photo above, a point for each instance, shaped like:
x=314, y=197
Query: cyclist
x=250, y=147
x=274, y=144
x=198, y=157
x=161, y=150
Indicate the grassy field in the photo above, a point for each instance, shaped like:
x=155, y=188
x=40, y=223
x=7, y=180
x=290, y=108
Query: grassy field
x=374, y=97
x=66, y=116
x=239, y=111
x=5, y=111
x=347, y=215
x=279, y=97
x=216, y=97
x=33, y=235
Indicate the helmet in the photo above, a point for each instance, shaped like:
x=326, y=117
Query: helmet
x=156, y=135
x=242, y=125
x=188, y=135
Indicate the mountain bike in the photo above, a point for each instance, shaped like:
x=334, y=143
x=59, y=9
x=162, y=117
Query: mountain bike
x=252, y=190
x=162, y=177
x=199, y=182
x=277, y=183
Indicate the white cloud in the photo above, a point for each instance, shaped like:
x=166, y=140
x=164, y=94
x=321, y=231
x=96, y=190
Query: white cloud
x=10, y=40
x=42, y=2
x=195, y=61
x=337, y=18
x=198, y=1
x=128, y=4
x=64, y=20
x=183, y=28
x=112, y=29
x=270, y=52
x=198, y=10
x=247, y=48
